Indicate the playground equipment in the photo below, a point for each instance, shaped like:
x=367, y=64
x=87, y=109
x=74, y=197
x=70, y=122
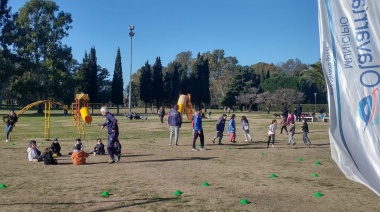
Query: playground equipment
x=48, y=105
x=185, y=106
x=81, y=107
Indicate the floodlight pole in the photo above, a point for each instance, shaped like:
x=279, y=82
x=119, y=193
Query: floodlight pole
x=131, y=34
x=315, y=103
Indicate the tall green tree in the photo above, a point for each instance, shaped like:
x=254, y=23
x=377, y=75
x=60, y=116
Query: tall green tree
x=146, y=88
x=39, y=30
x=117, y=82
x=157, y=82
x=104, y=85
x=92, y=89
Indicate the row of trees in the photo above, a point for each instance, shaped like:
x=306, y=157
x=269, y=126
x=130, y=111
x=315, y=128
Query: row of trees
x=215, y=80
x=35, y=64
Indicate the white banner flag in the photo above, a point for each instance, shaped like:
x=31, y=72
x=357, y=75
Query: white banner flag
x=350, y=44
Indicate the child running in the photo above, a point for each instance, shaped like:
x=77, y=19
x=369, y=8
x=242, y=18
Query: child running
x=232, y=129
x=272, y=132
x=292, y=130
x=220, y=124
x=245, y=126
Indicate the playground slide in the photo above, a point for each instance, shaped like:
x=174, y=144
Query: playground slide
x=185, y=106
x=85, y=115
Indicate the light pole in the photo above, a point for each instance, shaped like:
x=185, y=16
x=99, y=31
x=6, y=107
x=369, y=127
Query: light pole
x=131, y=34
x=315, y=103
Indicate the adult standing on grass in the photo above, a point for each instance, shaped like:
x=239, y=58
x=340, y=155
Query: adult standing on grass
x=220, y=124
x=161, y=113
x=10, y=121
x=198, y=130
x=305, y=130
x=113, y=134
x=298, y=112
x=175, y=122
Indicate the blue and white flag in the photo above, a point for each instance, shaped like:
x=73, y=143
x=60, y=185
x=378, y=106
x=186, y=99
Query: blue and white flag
x=350, y=55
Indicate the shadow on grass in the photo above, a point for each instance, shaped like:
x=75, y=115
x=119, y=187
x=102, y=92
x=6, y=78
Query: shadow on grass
x=173, y=159
x=120, y=205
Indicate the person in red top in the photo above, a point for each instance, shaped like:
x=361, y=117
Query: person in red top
x=79, y=157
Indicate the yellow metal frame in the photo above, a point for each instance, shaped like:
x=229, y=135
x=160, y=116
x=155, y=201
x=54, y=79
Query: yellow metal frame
x=48, y=104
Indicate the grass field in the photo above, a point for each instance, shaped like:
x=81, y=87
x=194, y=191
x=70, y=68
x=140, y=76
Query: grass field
x=150, y=170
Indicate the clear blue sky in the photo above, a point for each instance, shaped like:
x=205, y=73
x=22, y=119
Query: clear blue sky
x=253, y=31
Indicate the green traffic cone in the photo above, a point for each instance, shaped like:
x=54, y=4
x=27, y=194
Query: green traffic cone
x=318, y=163
x=244, y=202
x=178, y=193
x=205, y=184
x=228, y=149
x=105, y=194
x=272, y=176
x=262, y=153
x=314, y=175
x=318, y=194
x=3, y=186
x=300, y=160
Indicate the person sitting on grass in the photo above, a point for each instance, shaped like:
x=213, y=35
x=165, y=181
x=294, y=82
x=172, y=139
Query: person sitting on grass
x=47, y=156
x=56, y=147
x=79, y=157
x=78, y=141
x=99, y=148
x=34, y=154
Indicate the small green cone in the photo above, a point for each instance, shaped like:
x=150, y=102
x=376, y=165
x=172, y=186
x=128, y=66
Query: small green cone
x=178, y=193
x=105, y=194
x=300, y=160
x=262, y=153
x=41, y=142
x=228, y=149
x=198, y=144
x=3, y=186
x=244, y=202
x=314, y=175
x=318, y=163
x=272, y=176
x=318, y=194
x=12, y=144
x=205, y=184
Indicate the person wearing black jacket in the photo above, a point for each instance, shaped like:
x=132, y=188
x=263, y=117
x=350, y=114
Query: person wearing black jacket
x=220, y=124
x=305, y=129
x=56, y=147
x=10, y=121
x=47, y=156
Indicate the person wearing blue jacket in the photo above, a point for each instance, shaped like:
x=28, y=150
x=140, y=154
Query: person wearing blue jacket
x=220, y=124
x=198, y=130
x=232, y=129
x=175, y=122
x=113, y=134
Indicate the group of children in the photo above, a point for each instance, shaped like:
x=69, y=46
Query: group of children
x=220, y=124
x=285, y=121
x=78, y=155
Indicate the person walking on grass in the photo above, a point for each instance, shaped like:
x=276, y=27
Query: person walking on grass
x=283, y=124
x=305, y=130
x=175, y=122
x=113, y=134
x=10, y=121
x=198, y=130
x=245, y=127
x=220, y=124
x=272, y=132
x=161, y=113
x=232, y=129
x=292, y=130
